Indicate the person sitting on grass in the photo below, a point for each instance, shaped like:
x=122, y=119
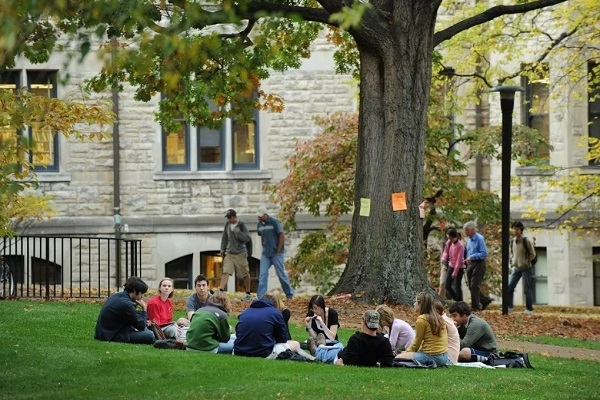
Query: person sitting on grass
x=321, y=319
x=160, y=309
x=277, y=296
x=209, y=329
x=119, y=321
x=200, y=298
x=431, y=341
x=366, y=348
x=477, y=340
x=261, y=331
x=453, y=336
x=399, y=332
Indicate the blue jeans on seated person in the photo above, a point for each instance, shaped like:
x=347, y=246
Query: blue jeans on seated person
x=226, y=348
x=328, y=354
x=440, y=360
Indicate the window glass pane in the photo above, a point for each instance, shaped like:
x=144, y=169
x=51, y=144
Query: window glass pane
x=8, y=81
x=43, y=83
x=596, y=267
x=244, y=144
x=539, y=97
x=542, y=124
x=176, y=147
x=209, y=142
x=540, y=277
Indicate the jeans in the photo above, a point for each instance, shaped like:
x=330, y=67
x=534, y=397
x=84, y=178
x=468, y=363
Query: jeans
x=475, y=274
x=441, y=360
x=527, y=282
x=145, y=336
x=226, y=348
x=454, y=286
x=263, y=276
x=328, y=354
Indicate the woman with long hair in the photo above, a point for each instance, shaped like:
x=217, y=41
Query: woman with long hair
x=276, y=297
x=431, y=340
x=321, y=319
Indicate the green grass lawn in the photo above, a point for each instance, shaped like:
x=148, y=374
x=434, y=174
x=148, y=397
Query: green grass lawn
x=47, y=351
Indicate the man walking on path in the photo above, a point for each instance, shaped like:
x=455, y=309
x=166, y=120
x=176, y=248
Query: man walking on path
x=271, y=232
x=475, y=262
x=233, y=249
x=522, y=254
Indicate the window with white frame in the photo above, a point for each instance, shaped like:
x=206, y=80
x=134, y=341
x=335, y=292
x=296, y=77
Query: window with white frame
x=234, y=146
x=594, y=102
x=535, y=108
x=45, y=154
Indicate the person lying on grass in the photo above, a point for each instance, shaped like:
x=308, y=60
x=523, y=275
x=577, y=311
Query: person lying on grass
x=119, y=321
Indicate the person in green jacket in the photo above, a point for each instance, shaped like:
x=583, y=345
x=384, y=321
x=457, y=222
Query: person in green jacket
x=209, y=328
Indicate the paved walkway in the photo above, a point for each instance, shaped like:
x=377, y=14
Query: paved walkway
x=551, y=350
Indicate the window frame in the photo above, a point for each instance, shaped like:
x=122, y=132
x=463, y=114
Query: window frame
x=247, y=166
x=176, y=167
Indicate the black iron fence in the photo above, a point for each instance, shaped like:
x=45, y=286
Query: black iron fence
x=66, y=266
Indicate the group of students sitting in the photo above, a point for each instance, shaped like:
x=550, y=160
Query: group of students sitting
x=262, y=329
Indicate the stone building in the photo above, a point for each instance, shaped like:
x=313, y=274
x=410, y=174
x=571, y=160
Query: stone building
x=172, y=191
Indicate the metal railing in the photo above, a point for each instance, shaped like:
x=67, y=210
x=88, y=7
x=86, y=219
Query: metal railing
x=69, y=266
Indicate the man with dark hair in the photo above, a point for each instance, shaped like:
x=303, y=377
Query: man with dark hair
x=119, y=321
x=477, y=340
x=522, y=254
x=475, y=262
x=200, y=298
x=233, y=249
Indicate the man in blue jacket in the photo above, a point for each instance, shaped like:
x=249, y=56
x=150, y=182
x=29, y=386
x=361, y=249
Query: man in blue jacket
x=119, y=321
x=475, y=262
x=261, y=331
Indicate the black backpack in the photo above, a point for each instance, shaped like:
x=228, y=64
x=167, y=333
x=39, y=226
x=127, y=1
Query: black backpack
x=509, y=359
x=292, y=356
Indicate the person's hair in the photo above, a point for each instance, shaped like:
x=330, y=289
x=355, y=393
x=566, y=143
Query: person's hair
x=470, y=225
x=518, y=224
x=425, y=303
x=172, y=284
x=133, y=284
x=276, y=298
x=200, y=278
x=318, y=300
x=460, y=307
x=439, y=307
x=386, y=317
x=452, y=232
x=221, y=297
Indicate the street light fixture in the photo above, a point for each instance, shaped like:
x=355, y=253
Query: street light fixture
x=507, y=103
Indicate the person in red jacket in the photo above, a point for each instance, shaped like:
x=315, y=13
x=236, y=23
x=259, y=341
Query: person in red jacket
x=160, y=309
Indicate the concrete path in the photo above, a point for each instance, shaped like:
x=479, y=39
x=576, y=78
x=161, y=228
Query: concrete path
x=551, y=350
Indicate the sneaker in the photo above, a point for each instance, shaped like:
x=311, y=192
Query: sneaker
x=312, y=347
x=247, y=297
x=321, y=340
x=528, y=312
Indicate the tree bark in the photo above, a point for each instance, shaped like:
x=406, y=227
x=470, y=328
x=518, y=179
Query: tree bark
x=385, y=262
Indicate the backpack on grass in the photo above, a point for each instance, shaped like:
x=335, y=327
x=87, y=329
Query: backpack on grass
x=509, y=359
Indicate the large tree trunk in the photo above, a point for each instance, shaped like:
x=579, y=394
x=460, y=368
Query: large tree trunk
x=386, y=251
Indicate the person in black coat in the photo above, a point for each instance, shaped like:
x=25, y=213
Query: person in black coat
x=119, y=321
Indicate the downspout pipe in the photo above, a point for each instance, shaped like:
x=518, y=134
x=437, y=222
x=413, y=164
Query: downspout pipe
x=116, y=169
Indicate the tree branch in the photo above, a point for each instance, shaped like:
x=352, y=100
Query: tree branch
x=488, y=15
x=572, y=208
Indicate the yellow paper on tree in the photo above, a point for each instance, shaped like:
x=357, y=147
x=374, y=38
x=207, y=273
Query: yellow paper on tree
x=365, y=207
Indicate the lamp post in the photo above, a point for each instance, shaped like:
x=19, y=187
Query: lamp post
x=507, y=103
